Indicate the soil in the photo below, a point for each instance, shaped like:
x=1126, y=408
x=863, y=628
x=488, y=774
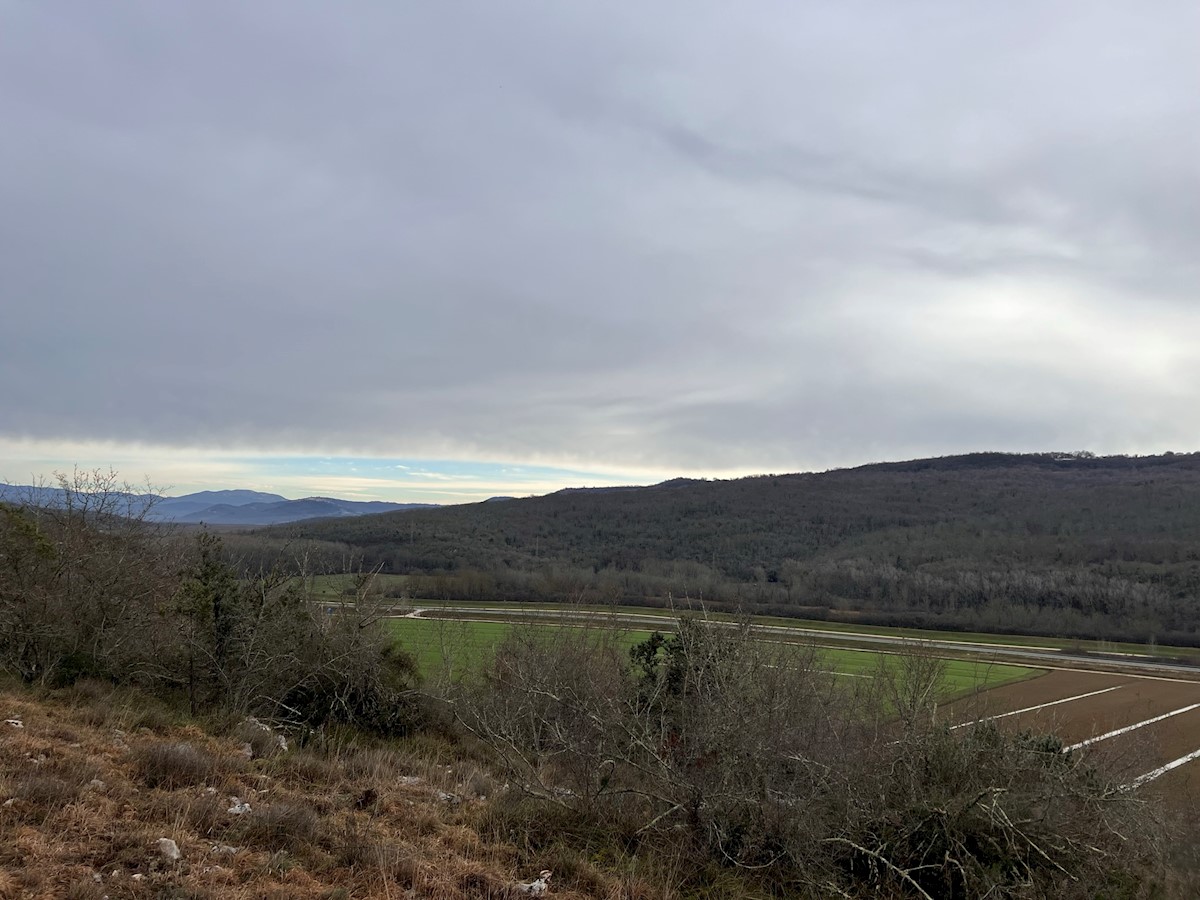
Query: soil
x=1135, y=700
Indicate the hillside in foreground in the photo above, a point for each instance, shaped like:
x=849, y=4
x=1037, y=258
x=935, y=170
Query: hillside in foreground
x=93, y=781
x=1075, y=545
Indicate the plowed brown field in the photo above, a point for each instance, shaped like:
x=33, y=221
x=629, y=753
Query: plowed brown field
x=1088, y=706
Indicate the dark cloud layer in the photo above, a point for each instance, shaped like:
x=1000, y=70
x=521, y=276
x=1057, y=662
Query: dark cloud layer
x=692, y=236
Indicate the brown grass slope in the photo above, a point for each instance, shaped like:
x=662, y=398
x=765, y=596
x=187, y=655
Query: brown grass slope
x=90, y=781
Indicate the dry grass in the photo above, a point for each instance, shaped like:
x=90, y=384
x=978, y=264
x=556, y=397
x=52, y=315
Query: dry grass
x=89, y=784
x=170, y=766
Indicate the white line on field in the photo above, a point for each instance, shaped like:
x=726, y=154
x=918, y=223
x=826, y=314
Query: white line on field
x=1016, y=712
x=1134, y=727
x=1161, y=770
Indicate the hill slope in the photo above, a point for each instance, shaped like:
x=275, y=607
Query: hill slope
x=177, y=507
x=1098, y=547
x=96, y=779
x=280, y=511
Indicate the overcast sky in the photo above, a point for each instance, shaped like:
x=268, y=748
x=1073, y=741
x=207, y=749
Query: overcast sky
x=265, y=244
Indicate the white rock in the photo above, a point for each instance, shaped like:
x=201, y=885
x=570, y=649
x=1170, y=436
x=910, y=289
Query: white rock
x=539, y=887
x=169, y=850
x=280, y=740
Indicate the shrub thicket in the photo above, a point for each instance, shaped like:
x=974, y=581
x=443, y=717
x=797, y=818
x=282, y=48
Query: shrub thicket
x=89, y=589
x=713, y=745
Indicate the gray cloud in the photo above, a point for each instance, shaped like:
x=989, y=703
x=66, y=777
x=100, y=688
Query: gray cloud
x=686, y=236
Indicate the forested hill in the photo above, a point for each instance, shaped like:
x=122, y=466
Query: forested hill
x=1074, y=544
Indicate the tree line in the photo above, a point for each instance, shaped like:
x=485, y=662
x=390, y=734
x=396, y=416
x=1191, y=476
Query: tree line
x=1070, y=544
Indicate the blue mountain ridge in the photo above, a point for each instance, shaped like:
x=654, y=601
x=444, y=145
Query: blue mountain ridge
x=228, y=507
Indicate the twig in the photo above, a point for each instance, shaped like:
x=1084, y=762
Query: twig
x=883, y=859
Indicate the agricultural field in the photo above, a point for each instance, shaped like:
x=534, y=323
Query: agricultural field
x=1149, y=727
x=457, y=644
x=462, y=644
x=391, y=587
x=959, y=676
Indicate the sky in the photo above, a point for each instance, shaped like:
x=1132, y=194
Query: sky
x=444, y=251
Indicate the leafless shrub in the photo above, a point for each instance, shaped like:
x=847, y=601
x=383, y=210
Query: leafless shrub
x=84, y=578
x=91, y=591
x=711, y=744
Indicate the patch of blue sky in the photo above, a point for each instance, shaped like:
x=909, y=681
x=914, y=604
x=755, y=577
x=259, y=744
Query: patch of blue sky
x=416, y=480
x=181, y=470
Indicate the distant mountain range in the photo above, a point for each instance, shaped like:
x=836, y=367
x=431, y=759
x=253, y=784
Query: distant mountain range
x=223, y=507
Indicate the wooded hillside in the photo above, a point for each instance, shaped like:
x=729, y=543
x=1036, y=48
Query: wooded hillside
x=1042, y=543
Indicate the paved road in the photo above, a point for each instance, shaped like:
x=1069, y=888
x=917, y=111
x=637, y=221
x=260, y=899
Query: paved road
x=1014, y=653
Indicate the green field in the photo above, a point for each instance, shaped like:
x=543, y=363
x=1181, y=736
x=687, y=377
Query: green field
x=336, y=586
x=960, y=675
x=460, y=644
